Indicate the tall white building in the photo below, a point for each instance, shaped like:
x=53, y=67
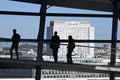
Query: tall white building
x=79, y=31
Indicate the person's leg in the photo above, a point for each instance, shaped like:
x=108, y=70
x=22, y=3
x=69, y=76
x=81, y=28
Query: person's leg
x=54, y=54
x=67, y=58
x=11, y=49
x=16, y=51
x=70, y=59
x=70, y=56
x=55, y=58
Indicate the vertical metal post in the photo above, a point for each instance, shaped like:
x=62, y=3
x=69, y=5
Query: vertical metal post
x=40, y=38
x=113, y=43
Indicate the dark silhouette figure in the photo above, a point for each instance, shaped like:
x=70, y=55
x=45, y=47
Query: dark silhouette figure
x=54, y=45
x=15, y=42
x=71, y=46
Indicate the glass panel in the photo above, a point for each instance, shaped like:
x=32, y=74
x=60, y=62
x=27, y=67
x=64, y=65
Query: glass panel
x=7, y=5
x=26, y=26
x=84, y=53
x=54, y=9
x=26, y=50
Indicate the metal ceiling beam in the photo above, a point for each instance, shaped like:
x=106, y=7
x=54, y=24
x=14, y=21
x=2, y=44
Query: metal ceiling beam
x=55, y=14
x=104, y=5
x=116, y=4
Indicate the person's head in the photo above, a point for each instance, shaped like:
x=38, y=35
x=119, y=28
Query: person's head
x=55, y=33
x=70, y=37
x=14, y=30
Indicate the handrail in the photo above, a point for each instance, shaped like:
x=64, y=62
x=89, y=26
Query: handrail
x=47, y=41
x=62, y=40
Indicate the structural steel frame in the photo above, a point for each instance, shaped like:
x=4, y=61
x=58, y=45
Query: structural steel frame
x=42, y=14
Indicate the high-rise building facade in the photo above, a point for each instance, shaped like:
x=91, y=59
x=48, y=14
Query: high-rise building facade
x=79, y=31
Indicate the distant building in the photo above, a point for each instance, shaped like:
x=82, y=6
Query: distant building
x=79, y=31
x=1, y=49
x=107, y=45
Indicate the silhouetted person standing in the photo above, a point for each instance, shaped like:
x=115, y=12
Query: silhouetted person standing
x=15, y=42
x=54, y=45
x=71, y=46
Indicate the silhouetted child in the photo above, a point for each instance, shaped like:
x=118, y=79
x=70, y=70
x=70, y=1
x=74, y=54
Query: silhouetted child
x=71, y=46
x=15, y=42
x=54, y=45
